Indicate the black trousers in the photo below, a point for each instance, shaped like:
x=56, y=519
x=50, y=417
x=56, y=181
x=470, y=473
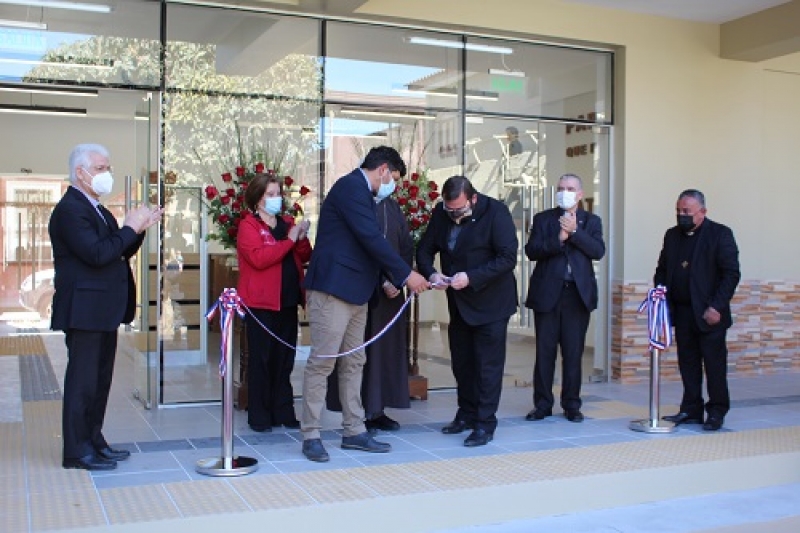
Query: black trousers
x=564, y=326
x=478, y=358
x=87, y=382
x=270, y=399
x=698, y=350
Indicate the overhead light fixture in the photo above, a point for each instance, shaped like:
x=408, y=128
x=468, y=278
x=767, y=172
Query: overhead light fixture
x=427, y=41
x=42, y=110
x=38, y=63
x=450, y=92
x=377, y=113
x=502, y=72
x=57, y=4
x=44, y=89
x=23, y=25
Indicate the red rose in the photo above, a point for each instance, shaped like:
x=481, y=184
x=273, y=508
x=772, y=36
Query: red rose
x=304, y=190
x=232, y=231
x=243, y=185
x=414, y=176
x=297, y=207
x=236, y=221
x=287, y=181
x=240, y=171
x=227, y=177
x=413, y=191
x=406, y=184
x=259, y=167
x=402, y=201
x=230, y=192
x=211, y=192
x=432, y=186
x=412, y=209
x=225, y=200
x=223, y=219
x=421, y=204
x=415, y=223
x=426, y=218
x=236, y=205
x=433, y=195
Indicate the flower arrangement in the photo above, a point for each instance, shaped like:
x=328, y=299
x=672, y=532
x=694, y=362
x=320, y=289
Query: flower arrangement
x=226, y=203
x=417, y=195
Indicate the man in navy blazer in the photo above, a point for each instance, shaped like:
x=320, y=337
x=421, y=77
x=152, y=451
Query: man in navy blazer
x=564, y=241
x=699, y=265
x=476, y=241
x=350, y=253
x=94, y=294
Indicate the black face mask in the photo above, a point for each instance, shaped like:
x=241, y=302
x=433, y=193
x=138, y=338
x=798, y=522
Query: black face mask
x=686, y=223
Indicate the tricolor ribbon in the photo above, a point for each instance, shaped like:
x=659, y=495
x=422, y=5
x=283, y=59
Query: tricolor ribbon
x=227, y=303
x=658, y=327
x=343, y=354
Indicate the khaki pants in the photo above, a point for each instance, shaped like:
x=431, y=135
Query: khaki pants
x=336, y=326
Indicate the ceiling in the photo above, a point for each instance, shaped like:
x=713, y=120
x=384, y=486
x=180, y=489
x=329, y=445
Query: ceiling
x=712, y=11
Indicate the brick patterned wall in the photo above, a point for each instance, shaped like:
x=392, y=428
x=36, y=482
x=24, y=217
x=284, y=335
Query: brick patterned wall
x=765, y=336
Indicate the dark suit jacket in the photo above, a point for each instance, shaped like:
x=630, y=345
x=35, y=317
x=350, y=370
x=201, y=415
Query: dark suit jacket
x=350, y=251
x=714, y=270
x=486, y=250
x=94, y=287
x=581, y=248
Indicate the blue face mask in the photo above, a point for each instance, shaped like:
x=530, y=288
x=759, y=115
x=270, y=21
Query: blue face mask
x=273, y=205
x=385, y=190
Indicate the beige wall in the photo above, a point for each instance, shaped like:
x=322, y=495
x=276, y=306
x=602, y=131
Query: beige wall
x=689, y=119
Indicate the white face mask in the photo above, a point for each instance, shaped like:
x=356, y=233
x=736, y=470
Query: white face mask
x=273, y=205
x=566, y=199
x=102, y=183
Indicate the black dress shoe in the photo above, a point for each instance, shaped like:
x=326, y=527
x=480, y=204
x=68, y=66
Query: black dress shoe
x=538, y=414
x=713, y=423
x=479, y=437
x=456, y=426
x=382, y=422
x=90, y=462
x=683, y=418
x=365, y=443
x=292, y=424
x=574, y=415
x=113, y=454
x=260, y=429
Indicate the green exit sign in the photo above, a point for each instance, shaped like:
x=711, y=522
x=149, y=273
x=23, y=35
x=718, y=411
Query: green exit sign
x=504, y=84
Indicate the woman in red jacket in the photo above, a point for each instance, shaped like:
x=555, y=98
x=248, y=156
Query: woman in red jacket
x=271, y=251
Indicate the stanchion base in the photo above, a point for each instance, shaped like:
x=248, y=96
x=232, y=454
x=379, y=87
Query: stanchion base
x=652, y=426
x=215, y=466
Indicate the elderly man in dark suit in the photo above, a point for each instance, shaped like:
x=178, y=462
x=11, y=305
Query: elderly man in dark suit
x=475, y=238
x=564, y=241
x=699, y=265
x=349, y=256
x=94, y=294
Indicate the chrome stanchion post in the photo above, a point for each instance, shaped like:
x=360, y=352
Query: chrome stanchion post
x=654, y=424
x=227, y=465
x=660, y=337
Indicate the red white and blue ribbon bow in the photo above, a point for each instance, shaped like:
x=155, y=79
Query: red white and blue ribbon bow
x=658, y=327
x=227, y=303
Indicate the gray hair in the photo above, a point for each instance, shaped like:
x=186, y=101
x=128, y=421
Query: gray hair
x=79, y=157
x=693, y=193
x=573, y=177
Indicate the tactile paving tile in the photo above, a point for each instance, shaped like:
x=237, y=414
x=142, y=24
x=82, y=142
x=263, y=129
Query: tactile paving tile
x=271, y=492
x=37, y=378
x=341, y=492
x=206, y=497
x=391, y=480
x=66, y=509
x=145, y=503
x=22, y=345
x=512, y=475
x=453, y=478
x=323, y=477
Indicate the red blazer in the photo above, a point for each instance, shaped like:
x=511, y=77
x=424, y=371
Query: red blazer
x=260, y=260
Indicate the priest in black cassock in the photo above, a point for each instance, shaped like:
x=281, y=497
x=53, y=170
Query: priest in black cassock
x=385, y=381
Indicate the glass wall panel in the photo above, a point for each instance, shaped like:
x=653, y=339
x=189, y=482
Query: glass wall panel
x=242, y=88
x=537, y=80
x=119, y=47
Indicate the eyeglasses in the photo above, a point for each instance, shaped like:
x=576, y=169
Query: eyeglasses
x=457, y=211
